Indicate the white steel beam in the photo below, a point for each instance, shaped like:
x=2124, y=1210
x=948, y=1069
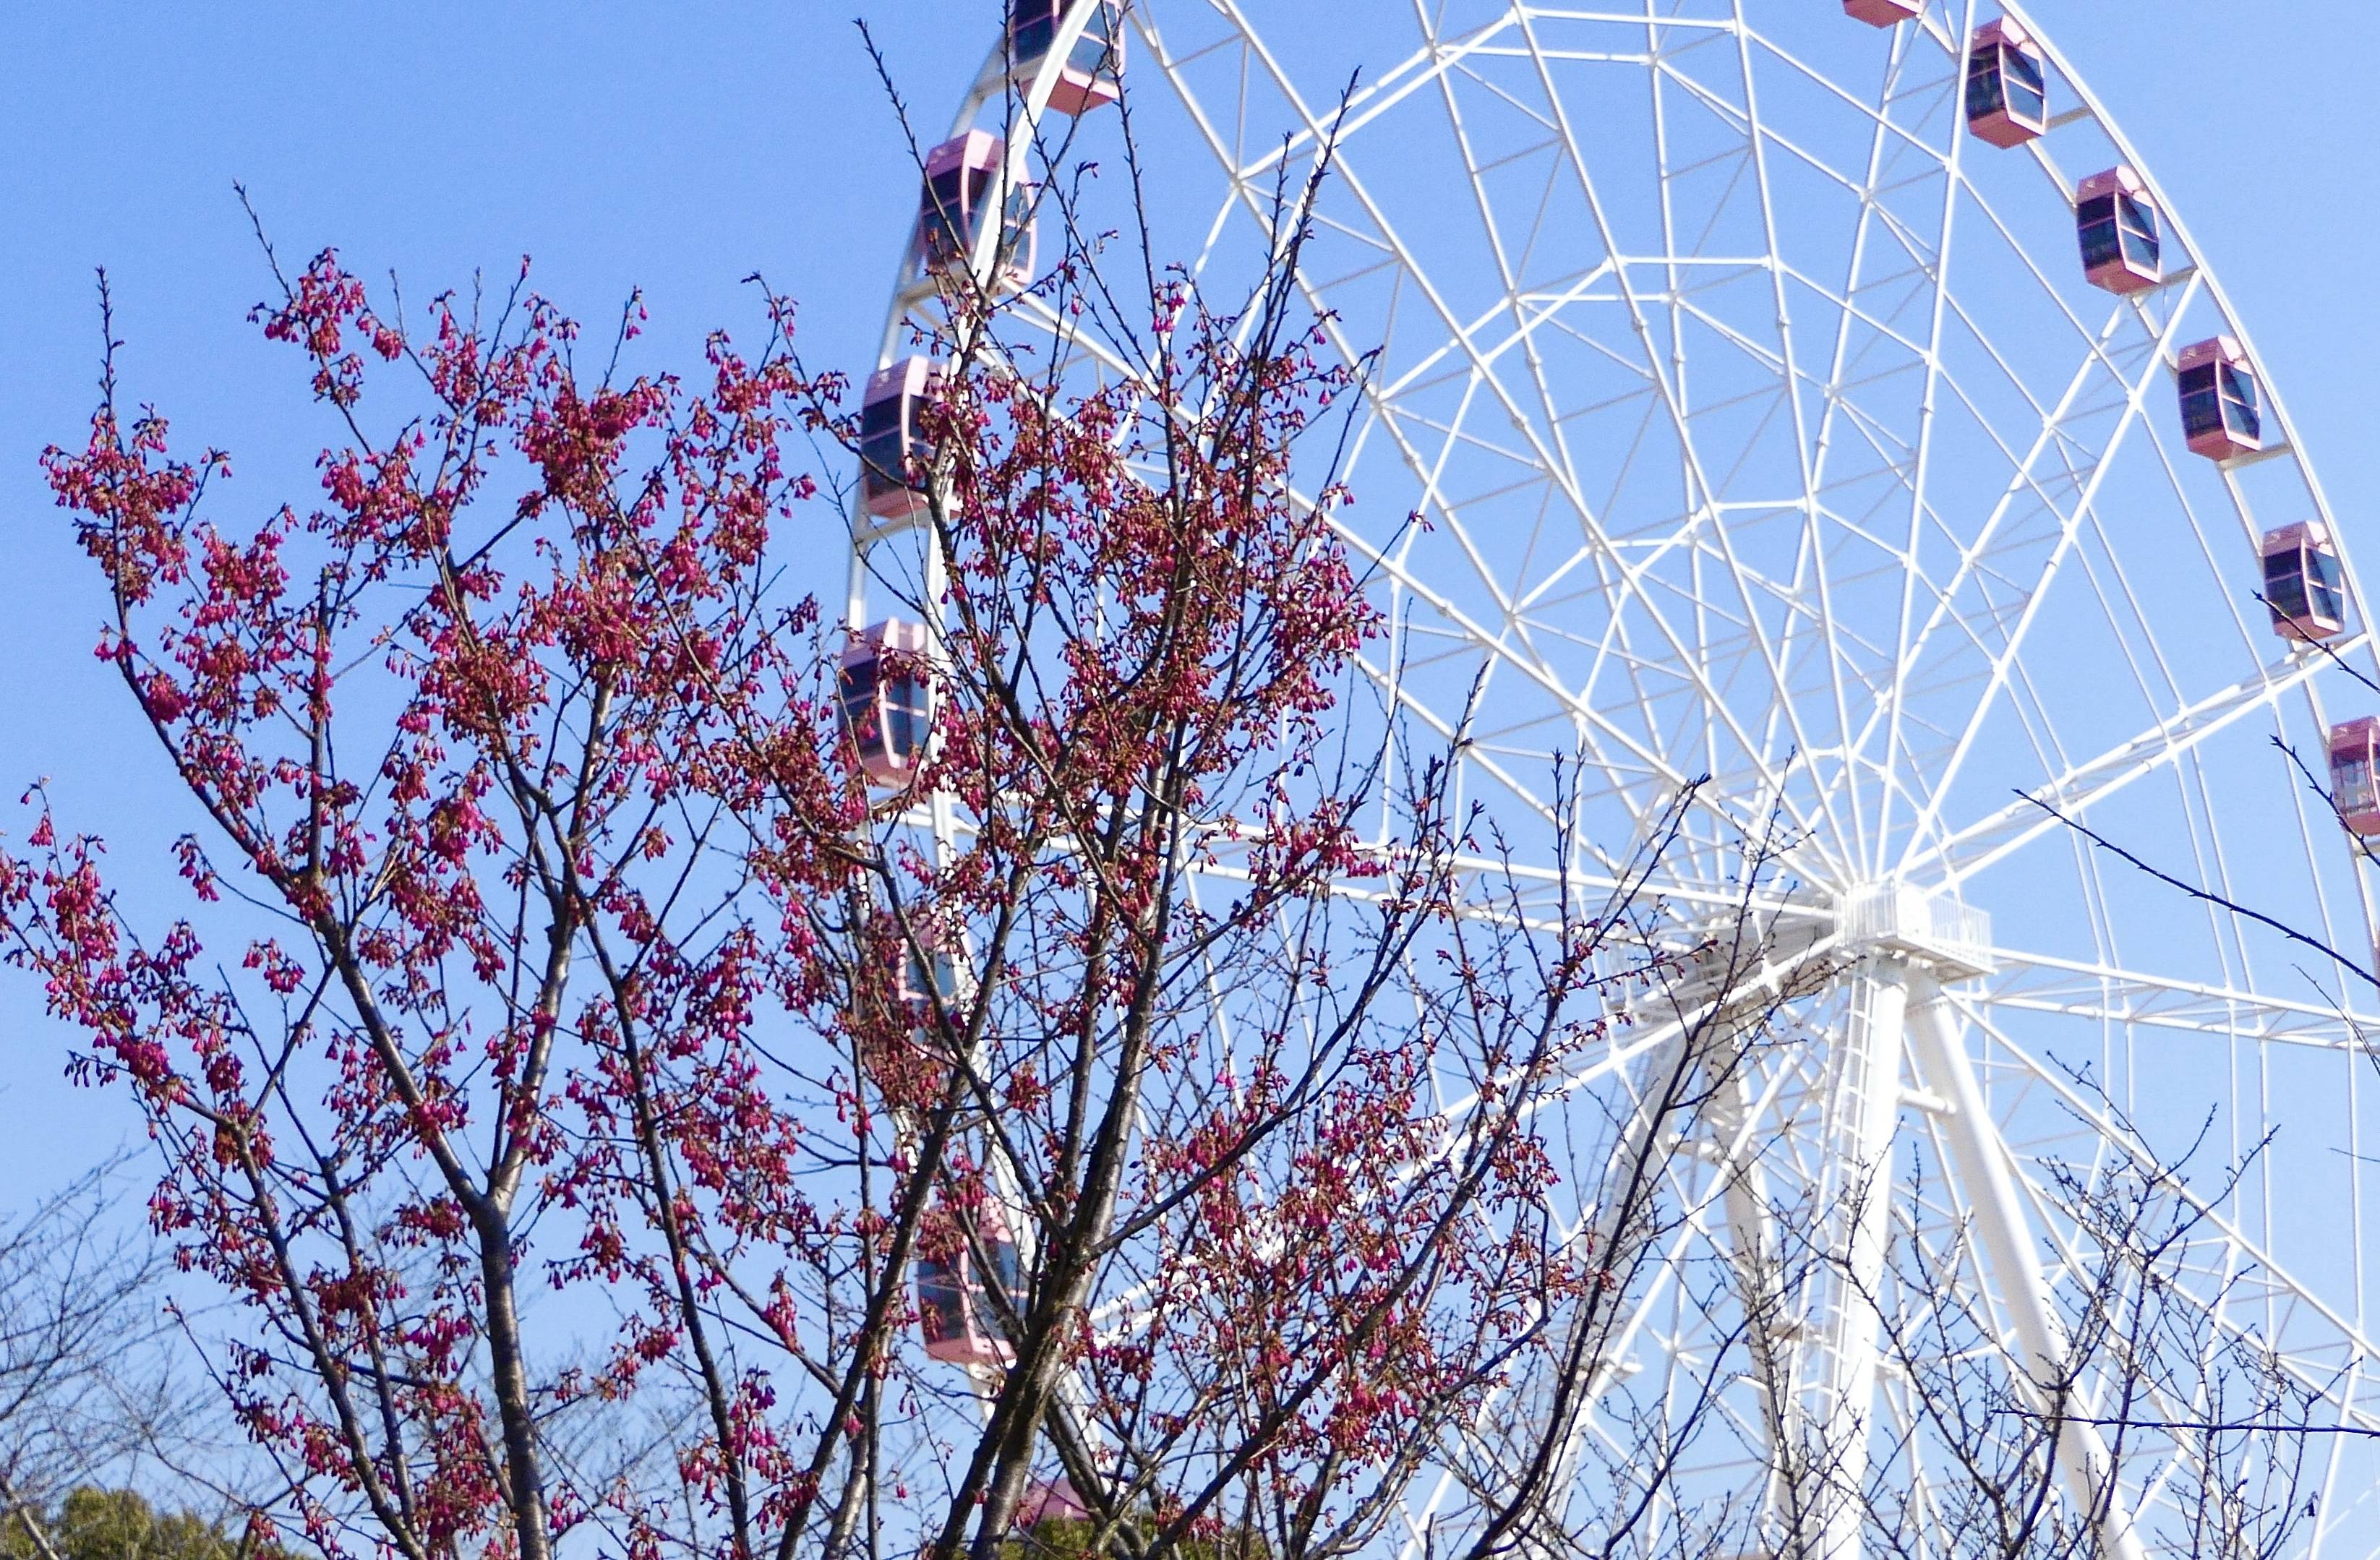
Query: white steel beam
x=1864, y=1108
x=1981, y=844
x=1982, y=1166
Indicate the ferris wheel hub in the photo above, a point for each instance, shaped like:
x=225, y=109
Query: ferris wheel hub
x=1929, y=929
x=1747, y=959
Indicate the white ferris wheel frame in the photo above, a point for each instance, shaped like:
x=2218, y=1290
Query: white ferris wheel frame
x=1925, y=988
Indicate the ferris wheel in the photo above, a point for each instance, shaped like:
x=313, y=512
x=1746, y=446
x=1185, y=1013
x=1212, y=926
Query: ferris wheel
x=1823, y=424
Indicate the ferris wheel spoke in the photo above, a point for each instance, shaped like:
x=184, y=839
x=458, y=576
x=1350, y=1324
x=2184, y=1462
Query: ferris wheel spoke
x=1501, y=649
x=1921, y=495
x=1635, y=583
x=2101, y=994
x=1511, y=650
x=1525, y=308
x=1819, y=462
x=2036, y=591
x=1697, y=1202
x=1679, y=647
x=1069, y=335
x=1368, y=102
x=1760, y=638
x=1984, y=843
x=1702, y=492
x=1896, y=92
x=2222, y=1270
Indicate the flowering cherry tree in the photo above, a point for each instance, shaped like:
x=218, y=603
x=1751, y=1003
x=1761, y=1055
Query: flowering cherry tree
x=570, y=1056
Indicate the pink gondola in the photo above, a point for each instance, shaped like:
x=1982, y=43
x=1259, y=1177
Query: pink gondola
x=893, y=454
x=1051, y=1500
x=2219, y=411
x=2115, y=222
x=1093, y=73
x=909, y=1060
x=2354, y=749
x=956, y=1311
x=887, y=702
x=2304, y=587
x=1884, y=13
x=2008, y=89
x=964, y=179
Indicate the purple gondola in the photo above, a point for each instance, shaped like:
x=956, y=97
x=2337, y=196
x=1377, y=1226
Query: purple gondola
x=964, y=181
x=1093, y=73
x=2008, y=86
x=956, y=1311
x=887, y=702
x=2116, y=224
x=2221, y=414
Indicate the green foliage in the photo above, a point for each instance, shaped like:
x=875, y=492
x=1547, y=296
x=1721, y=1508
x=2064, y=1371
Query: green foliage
x=95, y=1524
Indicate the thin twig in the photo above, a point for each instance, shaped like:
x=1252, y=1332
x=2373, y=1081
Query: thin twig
x=2207, y=895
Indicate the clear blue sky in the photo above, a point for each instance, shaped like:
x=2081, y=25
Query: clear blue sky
x=681, y=147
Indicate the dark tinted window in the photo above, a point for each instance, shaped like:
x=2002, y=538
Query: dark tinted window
x=2240, y=385
x=1003, y=1278
x=2139, y=225
x=2285, y=583
x=2202, y=410
x=2324, y=585
x=2240, y=402
x=904, y=713
x=2201, y=413
x=1031, y=25
x=858, y=687
x=1096, y=52
x=1983, y=84
x=2351, y=784
x=882, y=450
x=942, y=192
x=2027, y=98
x=2101, y=245
x=942, y=213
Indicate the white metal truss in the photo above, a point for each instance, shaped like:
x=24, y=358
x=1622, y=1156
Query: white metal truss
x=1764, y=428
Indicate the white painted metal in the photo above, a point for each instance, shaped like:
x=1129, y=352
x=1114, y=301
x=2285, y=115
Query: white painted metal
x=1867, y=1099
x=2008, y=1240
x=1764, y=429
